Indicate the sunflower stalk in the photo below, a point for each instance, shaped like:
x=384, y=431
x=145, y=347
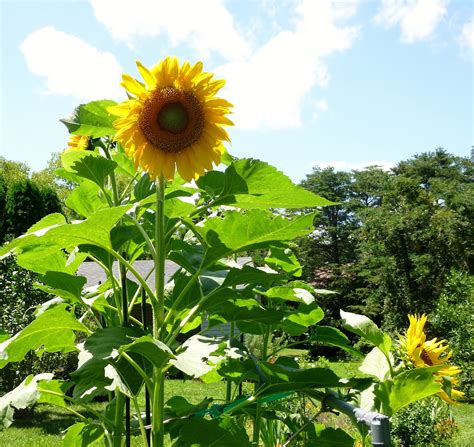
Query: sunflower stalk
x=159, y=313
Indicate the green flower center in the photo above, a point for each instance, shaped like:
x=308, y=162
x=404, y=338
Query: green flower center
x=173, y=117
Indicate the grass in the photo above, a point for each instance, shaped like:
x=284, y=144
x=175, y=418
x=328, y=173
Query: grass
x=44, y=426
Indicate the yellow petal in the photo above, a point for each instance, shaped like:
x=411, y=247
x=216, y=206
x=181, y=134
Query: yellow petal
x=147, y=76
x=133, y=86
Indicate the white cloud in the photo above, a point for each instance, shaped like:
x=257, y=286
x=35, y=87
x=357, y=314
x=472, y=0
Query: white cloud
x=467, y=34
x=322, y=105
x=418, y=19
x=341, y=165
x=71, y=66
x=268, y=88
x=204, y=25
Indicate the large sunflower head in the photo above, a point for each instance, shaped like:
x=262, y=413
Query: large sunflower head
x=173, y=120
x=422, y=353
x=78, y=143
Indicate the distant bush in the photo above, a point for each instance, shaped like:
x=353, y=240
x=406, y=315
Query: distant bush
x=18, y=301
x=452, y=319
x=426, y=423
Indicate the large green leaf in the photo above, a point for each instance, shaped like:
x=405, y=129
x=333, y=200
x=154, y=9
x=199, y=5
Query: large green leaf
x=91, y=119
x=86, y=199
x=321, y=436
x=250, y=183
x=406, y=388
x=23, y=396
x=298, y=321
x=284, y=259
x=156, y=352
x=82, y=434
x=53, y=331
x=367, y=329
x=250, y=275
x=223, y=432
x=67, y=286
x=376, y=364
x=88, y=165
x=296, y=294
x=331, y=336
x=237, y=232
x=279, y=379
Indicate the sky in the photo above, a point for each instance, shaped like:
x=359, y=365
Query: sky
x=313, y=82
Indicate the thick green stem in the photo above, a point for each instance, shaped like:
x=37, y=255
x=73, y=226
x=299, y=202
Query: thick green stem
x=159, y=313
x=118, y=422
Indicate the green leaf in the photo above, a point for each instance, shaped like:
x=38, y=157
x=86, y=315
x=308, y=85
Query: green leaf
x=86, y=199
x=67, y=286
x=250, y=275
x=284, y=259
x=91, y=119
x=103, y=342
x=296, y=294
x=23, y=396
x=223, y=432
x=156, y=352
x=279, y=379
x=331, y=336
x=196, y=358
x=376, y=364
x=367, y=329
x=321, y=436
x=250, y=183
x=124, y=163
x=237, y=232
x=298, y=321
x=84, y=435
x=53, y=331
x=88, y=165
x=406, y=388
x=59, y=387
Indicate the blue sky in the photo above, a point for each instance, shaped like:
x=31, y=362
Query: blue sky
x=345, y=83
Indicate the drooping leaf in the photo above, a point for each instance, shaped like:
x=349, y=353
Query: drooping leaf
x=83, y=434
x=156, y=352
x=237, y=232
x=284, y=259
x=321, y=436
x=295, y=294
x=250, y=275
x=23, y=396
x=331, y=336
x=86, y=199
x=376, y=364
x=89, y=165
x=224, y=432
x=298, y=321
x=367, y=329
x=67, y=286
x=53, y=331
x=406, y=388
x=250, y=183
x=91, y=119
x=58, y=389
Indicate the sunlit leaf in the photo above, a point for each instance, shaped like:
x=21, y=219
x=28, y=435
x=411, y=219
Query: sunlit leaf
x=52, y=331
x=91, y=119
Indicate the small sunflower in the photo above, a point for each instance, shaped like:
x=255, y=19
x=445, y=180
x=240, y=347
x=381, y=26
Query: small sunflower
x=173, y=120
x=422, y=353
x=78, y=143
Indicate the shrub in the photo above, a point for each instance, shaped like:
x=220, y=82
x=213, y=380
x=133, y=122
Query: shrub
x=452, y=319
x=427, y=422
x=18, y=300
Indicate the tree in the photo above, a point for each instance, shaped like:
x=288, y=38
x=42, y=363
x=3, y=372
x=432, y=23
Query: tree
x=3, y=197
x=24, y=206
x=13, y=171
x=421, y=230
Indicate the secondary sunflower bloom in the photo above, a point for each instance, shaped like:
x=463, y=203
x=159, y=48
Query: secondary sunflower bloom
x=422, y=353
x=78, y=143
x=173, y=120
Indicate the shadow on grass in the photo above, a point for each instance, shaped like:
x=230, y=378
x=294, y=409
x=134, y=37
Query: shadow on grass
x=50, y=420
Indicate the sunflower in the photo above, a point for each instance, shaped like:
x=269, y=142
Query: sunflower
x=173, y=120
x=422, y=353
x=78, y=143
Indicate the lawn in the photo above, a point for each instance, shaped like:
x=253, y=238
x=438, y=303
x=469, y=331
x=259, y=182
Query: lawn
x=44, y=427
